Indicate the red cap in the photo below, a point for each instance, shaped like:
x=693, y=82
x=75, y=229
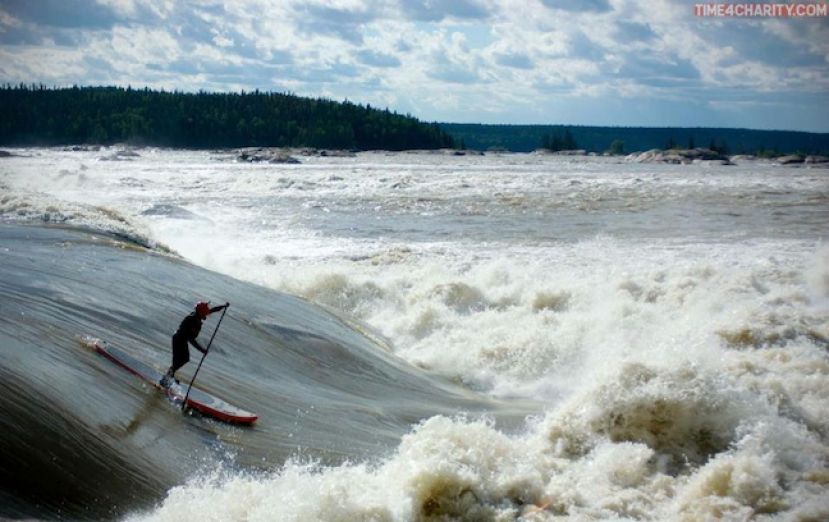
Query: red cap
x=203, y=308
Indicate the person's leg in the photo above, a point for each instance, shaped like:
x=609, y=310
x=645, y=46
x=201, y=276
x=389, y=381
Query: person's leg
x=181, y=355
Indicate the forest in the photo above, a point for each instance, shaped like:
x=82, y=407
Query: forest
x=621, y=140
x=39, y=115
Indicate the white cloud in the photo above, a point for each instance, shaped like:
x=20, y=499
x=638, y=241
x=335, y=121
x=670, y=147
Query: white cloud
x=126, y=8
x=8, y=21
x=51, y=66
x=222, y=40
x=467, y=60
x=138, y=46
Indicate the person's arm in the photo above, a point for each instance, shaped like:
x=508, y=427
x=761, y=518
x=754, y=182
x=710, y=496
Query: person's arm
x=219, y=308
x=193, y=327
x=197, y=346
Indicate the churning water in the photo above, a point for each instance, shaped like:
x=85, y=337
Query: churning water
x=667, y=327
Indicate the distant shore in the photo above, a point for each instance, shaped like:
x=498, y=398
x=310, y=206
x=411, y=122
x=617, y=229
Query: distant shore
x=88, y=116
x=295, y=155
x=626, y=140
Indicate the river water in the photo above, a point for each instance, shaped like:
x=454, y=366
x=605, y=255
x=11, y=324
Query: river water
x=661, y=330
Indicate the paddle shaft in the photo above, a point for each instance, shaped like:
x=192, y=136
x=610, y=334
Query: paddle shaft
x=203, y=357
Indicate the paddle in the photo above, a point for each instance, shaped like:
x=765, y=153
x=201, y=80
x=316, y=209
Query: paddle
x=203, y=357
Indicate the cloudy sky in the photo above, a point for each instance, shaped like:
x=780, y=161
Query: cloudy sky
x=592, y=62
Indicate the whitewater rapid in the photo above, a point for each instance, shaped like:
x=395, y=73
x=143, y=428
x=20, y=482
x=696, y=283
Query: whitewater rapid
x=672, y=321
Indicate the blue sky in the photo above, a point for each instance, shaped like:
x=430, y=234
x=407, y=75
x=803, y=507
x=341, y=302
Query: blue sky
x=594, y=62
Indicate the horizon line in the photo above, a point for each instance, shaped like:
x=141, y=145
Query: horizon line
x=255, y=90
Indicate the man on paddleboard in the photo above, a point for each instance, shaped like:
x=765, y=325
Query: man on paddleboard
x=187, y=332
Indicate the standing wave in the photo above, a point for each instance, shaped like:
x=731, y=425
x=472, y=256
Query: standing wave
x=81, y=438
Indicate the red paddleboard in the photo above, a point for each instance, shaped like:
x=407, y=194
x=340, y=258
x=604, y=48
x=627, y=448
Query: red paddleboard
x=199, y=400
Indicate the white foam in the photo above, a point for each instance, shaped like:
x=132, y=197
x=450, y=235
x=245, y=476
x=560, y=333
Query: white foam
x=34, y=207
x=571, y=462
x=683, y=364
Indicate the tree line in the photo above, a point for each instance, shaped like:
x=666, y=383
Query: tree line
x=556, y=142
x=720, y=146
x=618, y=140
x=39, y=115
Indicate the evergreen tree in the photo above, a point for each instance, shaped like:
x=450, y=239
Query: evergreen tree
x=556, y=144
x=524, y=138
x=106, y=115
x=568, y=143
x=617, y=147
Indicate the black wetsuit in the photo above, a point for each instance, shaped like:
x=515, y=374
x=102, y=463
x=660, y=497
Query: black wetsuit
x=187, y=332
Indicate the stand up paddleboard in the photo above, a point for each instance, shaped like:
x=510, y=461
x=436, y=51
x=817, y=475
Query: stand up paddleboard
x=198, y=400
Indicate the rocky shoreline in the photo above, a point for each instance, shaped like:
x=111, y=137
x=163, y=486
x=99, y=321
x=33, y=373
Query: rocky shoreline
x=709, y=157
x=680, y=157
x=286, y=155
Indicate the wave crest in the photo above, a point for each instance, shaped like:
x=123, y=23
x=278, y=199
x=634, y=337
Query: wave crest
x=22, y=207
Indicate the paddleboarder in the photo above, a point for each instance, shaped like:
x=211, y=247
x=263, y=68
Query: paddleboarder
x=187, y=332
